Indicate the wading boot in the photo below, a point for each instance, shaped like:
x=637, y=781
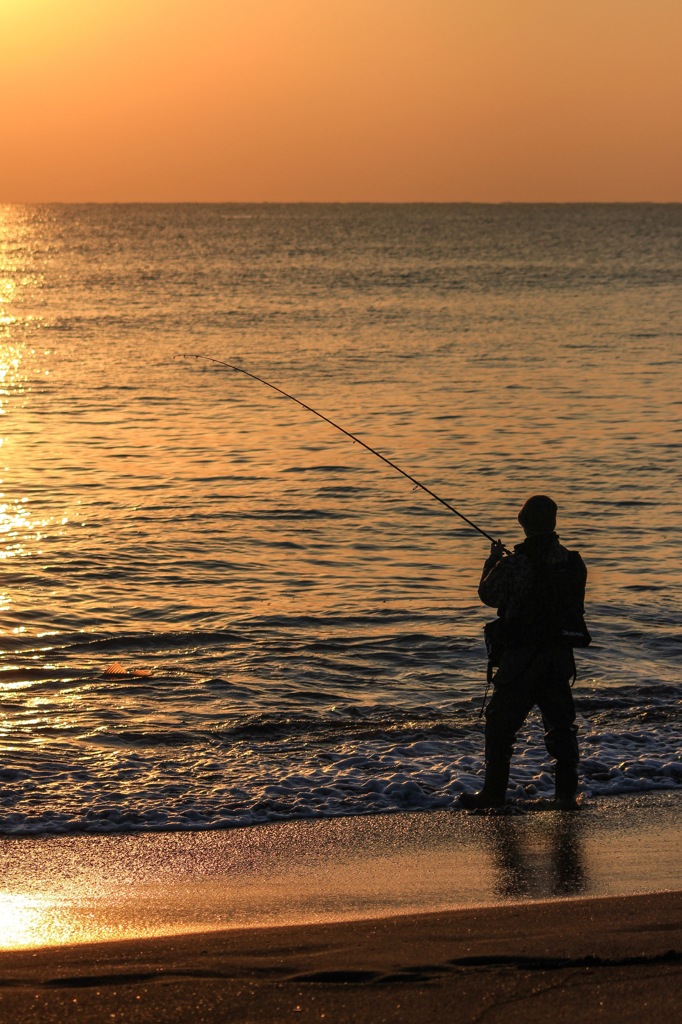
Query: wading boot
x=493, y=792
x=565, y=785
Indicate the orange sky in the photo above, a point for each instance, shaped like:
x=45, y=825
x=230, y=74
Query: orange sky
x=346, y=100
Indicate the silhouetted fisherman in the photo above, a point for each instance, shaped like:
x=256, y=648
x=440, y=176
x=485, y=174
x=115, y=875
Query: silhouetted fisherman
x=539, y=592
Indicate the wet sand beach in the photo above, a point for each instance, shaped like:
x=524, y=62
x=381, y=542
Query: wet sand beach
x=438, y=917
x=613, y=959
x=62, y=890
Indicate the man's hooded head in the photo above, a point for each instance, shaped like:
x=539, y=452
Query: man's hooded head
x=538, y=515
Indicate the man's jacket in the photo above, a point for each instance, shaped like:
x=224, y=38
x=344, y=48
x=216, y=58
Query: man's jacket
x=539, y=591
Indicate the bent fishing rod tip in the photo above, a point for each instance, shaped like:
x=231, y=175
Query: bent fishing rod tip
x=220, y=362
x=353, y=437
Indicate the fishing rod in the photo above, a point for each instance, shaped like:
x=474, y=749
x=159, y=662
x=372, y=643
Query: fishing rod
x=357, y=440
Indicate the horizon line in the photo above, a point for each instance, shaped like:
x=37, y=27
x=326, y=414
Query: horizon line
x=340, y=202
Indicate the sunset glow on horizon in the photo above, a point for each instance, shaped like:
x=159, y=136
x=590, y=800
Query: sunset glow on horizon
x=296, y=100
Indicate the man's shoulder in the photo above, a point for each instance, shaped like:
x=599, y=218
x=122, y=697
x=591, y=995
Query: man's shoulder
x=560, y=553
x=571, y=555
x=568, y=562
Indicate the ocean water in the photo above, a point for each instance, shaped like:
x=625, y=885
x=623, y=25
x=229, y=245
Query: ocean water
x=216, y=610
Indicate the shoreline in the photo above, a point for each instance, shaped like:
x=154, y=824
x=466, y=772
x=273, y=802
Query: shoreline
x=578, y=960
x=81, y=889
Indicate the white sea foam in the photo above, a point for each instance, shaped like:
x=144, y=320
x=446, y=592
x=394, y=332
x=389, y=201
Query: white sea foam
x=332, y=774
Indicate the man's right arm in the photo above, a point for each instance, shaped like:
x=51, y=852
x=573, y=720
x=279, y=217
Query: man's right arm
x=494, y=579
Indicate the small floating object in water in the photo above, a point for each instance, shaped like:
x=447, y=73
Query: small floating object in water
x=117, y=669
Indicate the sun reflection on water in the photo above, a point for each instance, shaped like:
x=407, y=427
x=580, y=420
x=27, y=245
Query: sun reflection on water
x=23, y=528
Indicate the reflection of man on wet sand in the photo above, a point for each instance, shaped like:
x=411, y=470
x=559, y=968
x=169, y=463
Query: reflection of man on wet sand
x=538, y=590
x=524, y=868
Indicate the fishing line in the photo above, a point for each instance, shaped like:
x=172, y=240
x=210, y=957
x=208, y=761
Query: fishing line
x=357, y=440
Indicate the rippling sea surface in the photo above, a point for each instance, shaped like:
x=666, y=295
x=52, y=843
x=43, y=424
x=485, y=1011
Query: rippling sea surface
x=217, y=610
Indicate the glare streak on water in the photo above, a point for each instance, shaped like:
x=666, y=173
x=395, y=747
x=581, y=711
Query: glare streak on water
x=294, y=630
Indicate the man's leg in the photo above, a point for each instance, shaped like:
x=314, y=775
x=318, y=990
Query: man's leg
x=555, y=700
x=504, y=716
